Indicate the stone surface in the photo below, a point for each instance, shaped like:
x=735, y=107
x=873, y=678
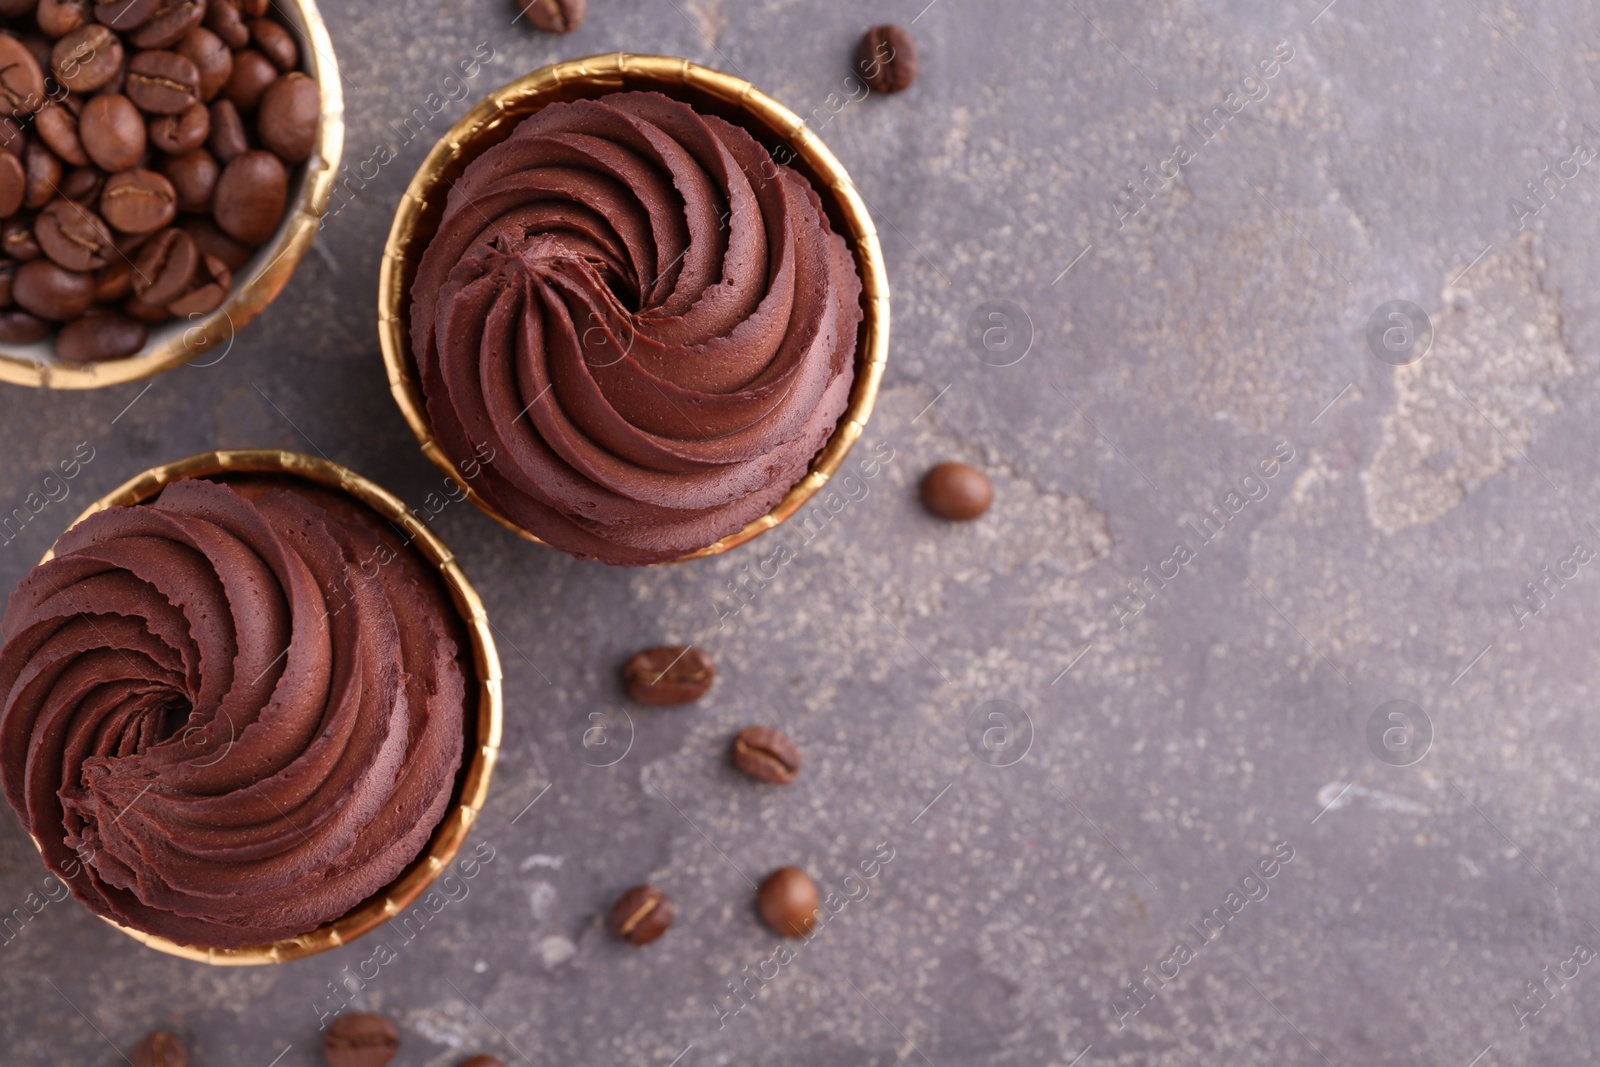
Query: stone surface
x=1070, y=776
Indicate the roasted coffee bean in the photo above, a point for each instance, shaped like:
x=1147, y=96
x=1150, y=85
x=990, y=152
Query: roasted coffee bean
x=787, y=901
x=165, y=267
x=227, y=138
x=359, y=1039
x=112, y=132
x=211, y=241
x=211, y=287
x=276, y=43
x=74, y=236
x=957, y=491
x=887, y=59
x=641, y=915
x=252, y=73
x=668, y=675
x=44, y=175
x=82, y=185
x=184, y=132
x=250, y=196
x=16, y=238
x=157, y=1049
x=12, y=139
x=13, y=184
x=224, y=19
x=39, y=47
x=555, y=16
x=57, y=18
x=98, y=336
x=20, y=328
x=287, y=121
x=57, y=126
x=21, y=80
x=766, y=754
x=114, y=283
x=162, y=83
x=87, y=58
x=211, y=56
x=125, y=15
x=138, y=201
x=193, y=177
x=172, y=19
x=50, y=291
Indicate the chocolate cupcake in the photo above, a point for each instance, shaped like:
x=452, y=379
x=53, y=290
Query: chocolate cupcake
x=235, y=713
x=634, y=323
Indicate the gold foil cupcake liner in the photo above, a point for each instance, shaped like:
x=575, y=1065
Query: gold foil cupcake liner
x=491, y=121
x=483, y=723
x=269, y=269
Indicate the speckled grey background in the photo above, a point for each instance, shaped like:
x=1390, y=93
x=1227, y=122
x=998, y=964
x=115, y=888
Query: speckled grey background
x=1177, y=738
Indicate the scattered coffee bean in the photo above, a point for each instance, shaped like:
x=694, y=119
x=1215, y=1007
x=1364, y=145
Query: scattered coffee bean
x=139, y=201
x=212, y=58
x=641, y=915
x=74, y=236
x=165, y=266
x=276, y=43
x=290, y=109
x=225, y=20
x=112, y=131
x=788, y=901
x=20, y=328
x=87, y=58
x=13, y=183
x=766, y=754
x=182, y=133
x=359, y=1039
x=227, y=138
x=252, y=73
x=159, y=1050
x=957, y=491
x=210, y=288
x=250, y=196
x=480, y=1061
x=162, y=83
x=57, y=18
x=114, y=283
x=668, y=675
x=21, y=80
x=887, y=59
x=555, y=16
x=45, y=288
x=171, y=21
x=57, y=126
x=99, y=336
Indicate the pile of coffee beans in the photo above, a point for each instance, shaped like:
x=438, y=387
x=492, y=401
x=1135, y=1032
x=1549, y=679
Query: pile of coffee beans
x=145, y=148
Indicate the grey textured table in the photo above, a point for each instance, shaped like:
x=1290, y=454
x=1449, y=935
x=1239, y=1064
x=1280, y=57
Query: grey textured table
x=1234, y=710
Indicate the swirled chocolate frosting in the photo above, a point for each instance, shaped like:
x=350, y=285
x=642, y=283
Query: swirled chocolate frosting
x=230, y=715
x=646, y=323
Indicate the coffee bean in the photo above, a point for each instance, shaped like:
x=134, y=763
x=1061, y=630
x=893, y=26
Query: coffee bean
x=359, y=1039
x=73, y=236
x=138, y=201
x=114, y=283
x=227, y=138
x=212, y=283
x=766, y=754
x=87, y=58
x=641, y=915
x=158, y=1049
x=13, y=184
x=99, y=336
x=193, y=177
x=21, y=328
x=57, y=18
x=957, y=491
x=250, y=196
x=224, y=20
x=480, y=1061
x=162, y=83
x=276, y=43
x=112, y=131
x=787, y=901
x=165, y=267
x=171, y=21
x=21, y=80
x=555, y=16
x=252, y=73
x=17, y=240
x=125, y=15
x=211, y=241
x=212, y=58
x=44, y=174
x=12, y=139
x=50, y=291
x=887, y=59
x=82, y=185
x=287, y=122
x=668, y=675
x=57, y=126
x=181, y=133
